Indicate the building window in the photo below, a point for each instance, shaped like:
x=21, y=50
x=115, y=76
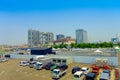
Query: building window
x=64, y=61
x=54, y=60
x=59, y=61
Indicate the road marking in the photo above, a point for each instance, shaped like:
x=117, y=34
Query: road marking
x=2, y=73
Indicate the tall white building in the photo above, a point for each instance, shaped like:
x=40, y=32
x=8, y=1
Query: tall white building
x=33, y=37
x=36, y=38
x=81, y=36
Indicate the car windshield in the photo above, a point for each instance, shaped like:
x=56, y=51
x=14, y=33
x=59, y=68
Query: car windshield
x=83, y=70
x=76, y=76
x=39, y=64
x=24, y=62
x=31, y=63
x=105, y=71
x=55, y=72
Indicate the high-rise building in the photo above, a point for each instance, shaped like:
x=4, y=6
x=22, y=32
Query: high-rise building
x=47, y=38
x=33, y=37
x=36, y=38
x=81, y=36
x=60, y=36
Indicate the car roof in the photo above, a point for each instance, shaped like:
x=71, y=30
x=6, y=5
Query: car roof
x=56, y=70
x=104, y=76
x=84, y=68
x=90, y=74
x=78, y=73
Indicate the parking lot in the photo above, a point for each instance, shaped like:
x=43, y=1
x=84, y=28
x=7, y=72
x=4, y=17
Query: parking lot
x=11, y=70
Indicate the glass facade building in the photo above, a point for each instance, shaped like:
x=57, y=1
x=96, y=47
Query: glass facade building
x=60, y=36
x=81, y=36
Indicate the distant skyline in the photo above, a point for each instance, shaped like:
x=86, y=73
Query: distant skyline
x=100, y=18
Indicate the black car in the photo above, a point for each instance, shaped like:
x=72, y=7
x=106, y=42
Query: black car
x=90, y=76
x=75, y=69
x=62, y=66
x=48, y=66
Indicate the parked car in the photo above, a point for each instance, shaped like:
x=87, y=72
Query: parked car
x=48, y=66
x=32, y=64
x=75, y=69
x=79, y=75
x=117, y=74
x=104, y=76
x=54, y=66
x=3, y=59
x=95, y=69
x=24, y=63
x=106, y=71
x=7, y=56
x=86, y=70
x=90, y=76
x=38, y=65
x=59, y=71
x=63, y=66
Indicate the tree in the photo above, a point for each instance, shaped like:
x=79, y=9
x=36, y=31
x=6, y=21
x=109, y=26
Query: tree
x=87, y=45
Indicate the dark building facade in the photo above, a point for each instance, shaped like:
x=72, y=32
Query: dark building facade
x=60, y=36
x=42, y=51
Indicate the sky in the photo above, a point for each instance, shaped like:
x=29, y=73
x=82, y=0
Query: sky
x=100, y=18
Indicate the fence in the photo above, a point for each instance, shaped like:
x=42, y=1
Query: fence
x=80, y=59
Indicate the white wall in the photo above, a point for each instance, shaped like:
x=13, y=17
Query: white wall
x=79, y=59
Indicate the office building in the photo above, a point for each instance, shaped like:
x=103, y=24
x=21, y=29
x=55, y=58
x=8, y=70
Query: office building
x=60, y=36
x=81, y=36
x=37, y=38
x=33, y=37
x=47, y=38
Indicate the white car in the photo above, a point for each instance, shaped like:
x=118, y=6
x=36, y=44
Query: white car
x=86, y=70
x=3, y=59
x=79, y=75
x=24, y=63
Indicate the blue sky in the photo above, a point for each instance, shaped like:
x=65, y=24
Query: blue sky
x=100, y=18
